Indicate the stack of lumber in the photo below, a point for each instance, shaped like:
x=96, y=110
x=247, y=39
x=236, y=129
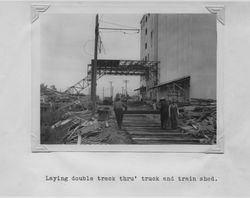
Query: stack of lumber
x=81, y=128
x=82, y=132
x=84, y=128
x=73, y=122
x=202, y=102
x=199, y=120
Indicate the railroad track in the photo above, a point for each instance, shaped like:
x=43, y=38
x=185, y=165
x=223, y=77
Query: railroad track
x=145, y=130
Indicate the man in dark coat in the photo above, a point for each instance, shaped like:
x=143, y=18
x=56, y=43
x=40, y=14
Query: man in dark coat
x=173, y=114
x=164, y=108
x=118, y=108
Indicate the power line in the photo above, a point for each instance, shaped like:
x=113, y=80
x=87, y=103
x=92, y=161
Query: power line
x=129, y=33
x=100, y=18
x=117, y=24
x=101, y=44
x=120, y=29
x=109, y=30
x=85, y=45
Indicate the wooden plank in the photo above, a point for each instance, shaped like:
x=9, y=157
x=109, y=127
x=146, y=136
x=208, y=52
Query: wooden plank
x=140, y=133
x=142, y=122
x=165, y=139
x=138, y=121
x=166, y=142
x=152, y=129
x=79, y=139
x=141, y=112
x=161, y=136
x=146, y=130
x=141, y=125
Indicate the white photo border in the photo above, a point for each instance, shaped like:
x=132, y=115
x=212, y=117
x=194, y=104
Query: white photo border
x=38, y=10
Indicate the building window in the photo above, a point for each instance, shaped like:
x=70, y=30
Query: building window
x=148, y=57
x=146, y=46
x=145, y=58
x=146, y=31
x=151, y=38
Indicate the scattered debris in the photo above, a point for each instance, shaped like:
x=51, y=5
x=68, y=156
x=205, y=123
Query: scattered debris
x=83, y=128
x=66, y=120
x=199, y=120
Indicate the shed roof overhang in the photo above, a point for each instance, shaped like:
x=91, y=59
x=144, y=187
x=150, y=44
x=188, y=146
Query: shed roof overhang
x=142, y=88
x=178, y=80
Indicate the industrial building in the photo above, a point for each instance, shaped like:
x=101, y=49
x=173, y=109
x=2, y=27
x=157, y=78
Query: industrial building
x=185, y=46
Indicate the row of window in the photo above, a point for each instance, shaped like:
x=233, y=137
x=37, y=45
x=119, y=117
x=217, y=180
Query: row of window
x=146, y=58
x=151, y=41
x=146, y=45
x=146, y=32
x=144, y=20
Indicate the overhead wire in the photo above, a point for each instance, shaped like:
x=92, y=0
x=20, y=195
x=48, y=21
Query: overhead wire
x=85, y=45
x=124, y=32
x=117, y=24
x=100, y=42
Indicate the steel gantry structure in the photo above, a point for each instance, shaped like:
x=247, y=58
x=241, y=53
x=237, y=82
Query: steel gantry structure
x=115, y=67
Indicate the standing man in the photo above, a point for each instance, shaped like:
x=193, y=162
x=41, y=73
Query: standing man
x=164, y=108
x=118, y=108
x=173, y=114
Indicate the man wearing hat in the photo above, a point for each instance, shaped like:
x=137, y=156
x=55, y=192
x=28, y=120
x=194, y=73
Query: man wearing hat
x=164, y=112
x=173, y=114
x=118, y=108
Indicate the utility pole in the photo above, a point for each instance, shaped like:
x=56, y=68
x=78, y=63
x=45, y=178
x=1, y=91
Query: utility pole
x=111, y=90
x=103, y=93
x=94, y=66
x=126, y=88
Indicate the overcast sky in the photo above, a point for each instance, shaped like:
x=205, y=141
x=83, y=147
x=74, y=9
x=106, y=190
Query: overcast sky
x=67, y=47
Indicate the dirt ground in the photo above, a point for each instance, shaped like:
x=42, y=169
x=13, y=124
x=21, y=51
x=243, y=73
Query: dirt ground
x=109, y=135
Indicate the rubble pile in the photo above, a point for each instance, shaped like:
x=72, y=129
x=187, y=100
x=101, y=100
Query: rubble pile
x=83, y=128
x=199, y=120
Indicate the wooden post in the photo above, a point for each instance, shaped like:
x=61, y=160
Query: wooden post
x=103, y=93
x=111, y=90
x=94, y=67
x=126, y=88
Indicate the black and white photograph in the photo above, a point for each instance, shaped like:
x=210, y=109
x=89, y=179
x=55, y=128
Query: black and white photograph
x=124, y=98
x=128, y=79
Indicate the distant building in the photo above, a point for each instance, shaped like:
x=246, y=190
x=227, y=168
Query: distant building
x=185, y=45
